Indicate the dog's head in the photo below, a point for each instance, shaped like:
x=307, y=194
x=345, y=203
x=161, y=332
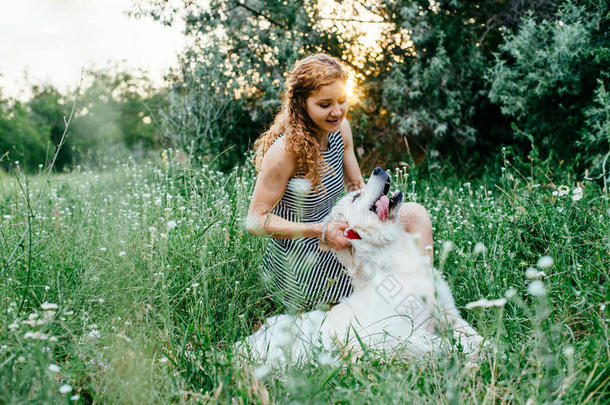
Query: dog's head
x=369, y=211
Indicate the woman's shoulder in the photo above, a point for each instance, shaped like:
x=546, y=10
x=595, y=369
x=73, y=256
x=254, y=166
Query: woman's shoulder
x=279, y=155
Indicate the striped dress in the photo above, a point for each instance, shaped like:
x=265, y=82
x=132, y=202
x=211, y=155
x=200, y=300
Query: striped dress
x=296, y=271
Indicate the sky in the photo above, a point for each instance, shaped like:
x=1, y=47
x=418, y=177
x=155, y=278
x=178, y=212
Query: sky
x=54, y=39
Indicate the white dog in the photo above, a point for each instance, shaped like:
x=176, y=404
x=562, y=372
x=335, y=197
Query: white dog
x=400, y=304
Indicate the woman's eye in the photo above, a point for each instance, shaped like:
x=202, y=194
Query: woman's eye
x=324, y=105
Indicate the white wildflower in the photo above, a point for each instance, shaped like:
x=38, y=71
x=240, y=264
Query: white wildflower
x=171, y=225
x=33, y=322
x=562, y=191
x=13, y=326
x=253, y=226
x=479, y=248
x=75, y=397
x=533, y=274
x=300, y=186
x=536, y=288
x=122, y=253
x=163, y=359
x=7, y=216
x=36, y=336
x=94, y=334
x=152, y=229
x=261, y=372
x=510, y=293
x=122, y=336
x=577, y=194
x=103, y=249
x=64, y=389
x=485, y=303
x=54, y=368
x=47, y=306
x=325, y=359
x=545, y=262
x=568, y=351
x=447, y=246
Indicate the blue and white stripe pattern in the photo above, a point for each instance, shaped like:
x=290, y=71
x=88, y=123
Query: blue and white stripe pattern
x=297, y=272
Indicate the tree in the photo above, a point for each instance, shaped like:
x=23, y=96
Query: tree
x=423, y=80
x=47, y=110
x=549, y=78
x=22, y=139
x=115, y=110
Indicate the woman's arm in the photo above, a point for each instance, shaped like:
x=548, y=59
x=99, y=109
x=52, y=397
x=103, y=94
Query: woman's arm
x=277, y=168
x=351, y=172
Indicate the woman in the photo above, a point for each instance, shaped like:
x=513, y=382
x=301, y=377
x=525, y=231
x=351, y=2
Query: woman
x=303, y=162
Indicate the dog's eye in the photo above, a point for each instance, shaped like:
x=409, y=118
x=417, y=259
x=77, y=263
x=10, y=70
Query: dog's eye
x=356, y=196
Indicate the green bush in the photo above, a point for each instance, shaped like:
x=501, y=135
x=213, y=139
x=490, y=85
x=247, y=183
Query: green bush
x=117, y=108
x=204, y=117
x=595, y=139
x=437, y=94
x=115, y=111
x=22, y=139
x=545, y=76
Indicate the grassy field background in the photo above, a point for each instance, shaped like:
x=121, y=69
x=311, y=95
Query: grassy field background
x=131, y=283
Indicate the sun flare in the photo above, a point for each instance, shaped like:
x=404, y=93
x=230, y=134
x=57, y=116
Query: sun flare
x=350, y=88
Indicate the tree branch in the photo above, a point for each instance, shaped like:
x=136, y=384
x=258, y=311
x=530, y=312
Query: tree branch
x=353, y=20
x=260, y=14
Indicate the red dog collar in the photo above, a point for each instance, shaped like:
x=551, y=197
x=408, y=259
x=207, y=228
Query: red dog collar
x=351, y=234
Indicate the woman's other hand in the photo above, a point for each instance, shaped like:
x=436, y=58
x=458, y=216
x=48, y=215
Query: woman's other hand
x=334, y=238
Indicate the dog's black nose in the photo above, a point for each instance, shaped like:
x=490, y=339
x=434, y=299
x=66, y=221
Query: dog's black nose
x=379, y=172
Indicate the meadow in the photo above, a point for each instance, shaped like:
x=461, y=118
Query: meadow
x=130, y=283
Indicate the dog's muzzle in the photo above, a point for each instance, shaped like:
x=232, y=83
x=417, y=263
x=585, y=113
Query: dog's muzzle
x=382, y=205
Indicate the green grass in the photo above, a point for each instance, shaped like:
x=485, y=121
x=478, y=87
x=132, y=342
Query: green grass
x=155, y=278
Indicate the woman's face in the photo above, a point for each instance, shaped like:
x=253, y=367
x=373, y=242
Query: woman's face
x=327, y=107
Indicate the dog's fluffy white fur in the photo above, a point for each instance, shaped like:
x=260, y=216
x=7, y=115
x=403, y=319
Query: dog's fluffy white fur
x=400, y=304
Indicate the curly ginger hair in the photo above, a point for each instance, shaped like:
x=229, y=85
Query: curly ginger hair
x=307, y=76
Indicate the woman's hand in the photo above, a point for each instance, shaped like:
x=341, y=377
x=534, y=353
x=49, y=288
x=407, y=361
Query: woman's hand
x=334, y=238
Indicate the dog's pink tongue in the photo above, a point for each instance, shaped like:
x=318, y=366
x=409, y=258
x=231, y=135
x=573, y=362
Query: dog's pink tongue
x=382, y=205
